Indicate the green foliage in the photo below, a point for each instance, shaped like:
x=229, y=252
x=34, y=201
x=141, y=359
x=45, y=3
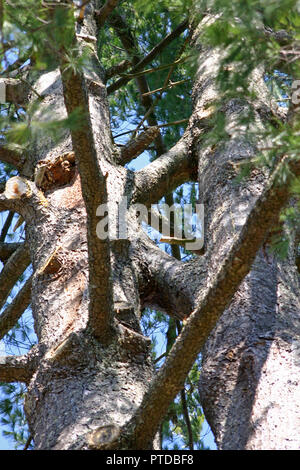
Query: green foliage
x=239, y=28
x=290, y=220
x=12, y=415
x=46, y=31
x=172, y=9
x=23, y=133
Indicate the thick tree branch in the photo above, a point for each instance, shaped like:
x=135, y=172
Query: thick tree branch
x=9, y=204
x=18, y=368
x=136, y=146
x=164, y=282
x=11, y=157
x=5, y=227
x=13, y=269
x=164, y=174
x=104, y=12
x=14, y=311
x=140, y=431
x=93, y=184
x=22, y=196
x=7, y=249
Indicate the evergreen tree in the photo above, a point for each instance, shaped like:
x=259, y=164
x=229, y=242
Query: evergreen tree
x=120, y=341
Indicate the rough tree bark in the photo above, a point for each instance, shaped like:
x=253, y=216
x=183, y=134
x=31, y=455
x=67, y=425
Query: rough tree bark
x=90, y=379
x=249, y=384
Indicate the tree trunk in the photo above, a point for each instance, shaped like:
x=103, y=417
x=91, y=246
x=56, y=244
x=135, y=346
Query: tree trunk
x=249, y=383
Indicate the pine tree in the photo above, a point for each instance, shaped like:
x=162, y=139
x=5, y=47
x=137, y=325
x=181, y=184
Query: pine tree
x=207, y=93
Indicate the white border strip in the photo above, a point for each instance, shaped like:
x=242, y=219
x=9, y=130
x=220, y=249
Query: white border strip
x=2, y=91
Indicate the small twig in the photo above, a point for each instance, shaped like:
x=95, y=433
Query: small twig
x=87, y=37
x=6, y=46
x=166, y=83
x=153, y=69
x=160, y=357
x=117, y=69
x=15, y=65
x=162, y=44
x=168, y=124
x=40, y=97
x=179, y=55
x=135, y=147
x=166, y=87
